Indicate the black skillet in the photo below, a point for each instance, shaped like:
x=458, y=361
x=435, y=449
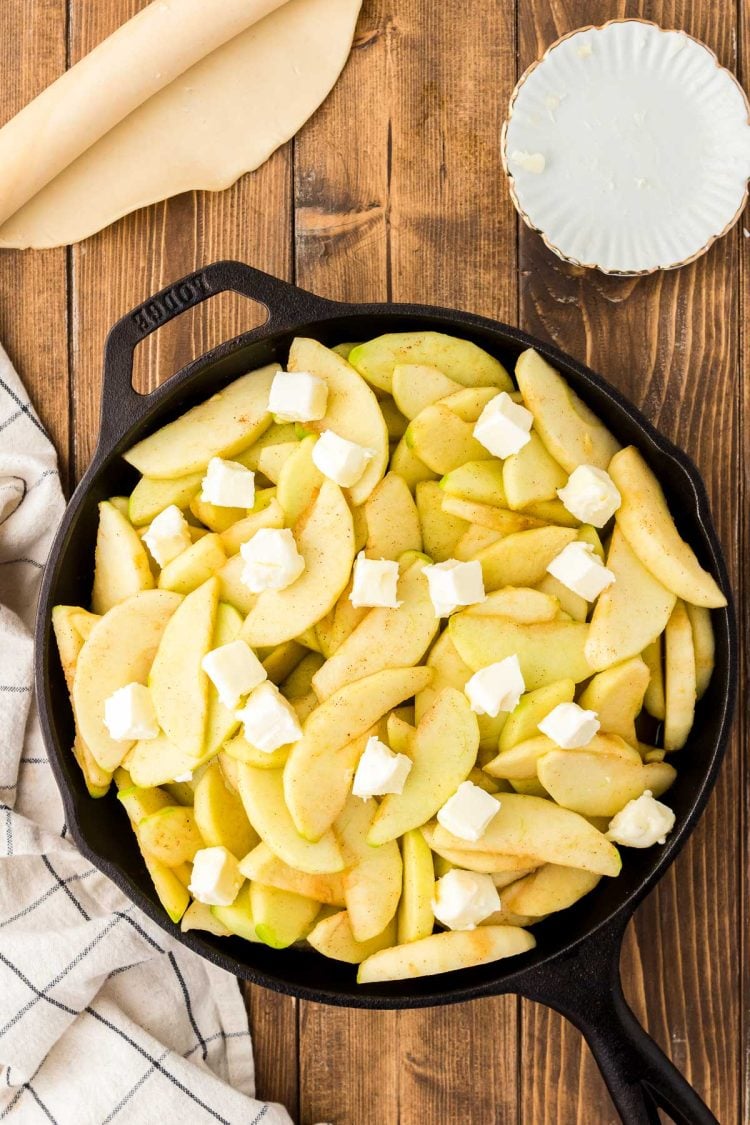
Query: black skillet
x=575, y=966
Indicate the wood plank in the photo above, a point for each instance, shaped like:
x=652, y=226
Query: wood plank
x=33, y=299
x=654, y=338
x=400, y=213
x=119, y=268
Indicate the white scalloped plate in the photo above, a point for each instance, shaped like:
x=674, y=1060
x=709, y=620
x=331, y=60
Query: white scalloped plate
x=645, y=142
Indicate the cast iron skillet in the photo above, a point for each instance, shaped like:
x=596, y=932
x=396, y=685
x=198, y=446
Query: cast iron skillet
x=575, y=966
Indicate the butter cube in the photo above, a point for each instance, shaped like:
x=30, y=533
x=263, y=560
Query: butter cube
x=234, y=670
x=272, y=561
x=168, y=536
x=570, y=726
x=503, y=426
x=129, y=714
x=468, y=812
x=216, y=878
x=453, y=583
x=496, y=688
x=227, y=484
x=380, y=771
x=590, y=495
x=340, y=460
x=642, y=823
x=269, y=720
x=581, y=570
x=375, y=583
x=298, y=396
x=463, y=899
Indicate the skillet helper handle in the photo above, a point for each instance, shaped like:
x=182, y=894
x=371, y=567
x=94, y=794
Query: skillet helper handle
x=286, y=305
x=586, y=989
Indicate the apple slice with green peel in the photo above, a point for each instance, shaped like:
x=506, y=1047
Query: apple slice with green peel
x=179, y=686
x=469, y=402
x=318, y=774
x=278, y=433
x=616, y=694
x=198, y=916
x=680, y=679
x=352, y=411
x=571, y=432
x=299, y=480
x=544, y=833
x=140, y=802
x=631, y=613
x=441, y=531
x=449, y=670
x=262, y=793
x=97, y=780
x=442, y=440
x=548, y=889
x=172, y=892
x=589, y=783
x=194, y=566
x=150, y=497
x=532, y=475
x=333, y=937
x=238, y=918
x=460, y=360
x=372, y=880
x=221, y=721
x=653, y=700
x=549, y=651
x=325, y=539
x=222, y=426
x=415, y=917
x=220, y=815
x=408, y=466
x=445, y=749
x=445, y=952
x=522, y=604
x=271, y=515
x=409, y=631
x=281, y=917
x=119, y=651
x=646, y=522
x=704, y=645
x=417, y=385
x=392, y=520
x=170, y=835
x=501, y=520
x=522, y=558
x=523, y=722
x=121, y=566
x=480, y=482
x=263, y=866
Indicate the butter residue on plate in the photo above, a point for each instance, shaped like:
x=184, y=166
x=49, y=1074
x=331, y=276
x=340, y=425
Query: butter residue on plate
x=628, y=147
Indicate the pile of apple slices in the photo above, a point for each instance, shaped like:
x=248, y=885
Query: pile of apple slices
x=468, y=748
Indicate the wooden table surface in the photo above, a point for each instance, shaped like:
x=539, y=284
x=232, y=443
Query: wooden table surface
x=395, y=191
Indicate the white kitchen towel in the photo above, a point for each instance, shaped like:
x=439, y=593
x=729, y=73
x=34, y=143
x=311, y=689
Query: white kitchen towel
x=102, y=1016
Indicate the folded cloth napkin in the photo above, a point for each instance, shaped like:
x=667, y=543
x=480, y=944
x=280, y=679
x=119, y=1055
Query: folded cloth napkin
x=102, y=1016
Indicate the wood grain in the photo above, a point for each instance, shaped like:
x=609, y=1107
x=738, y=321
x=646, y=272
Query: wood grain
x=394, y=191
x=668, y=343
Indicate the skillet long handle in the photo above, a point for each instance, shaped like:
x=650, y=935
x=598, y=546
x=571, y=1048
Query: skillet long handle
x=286, y=305
x=585, y=988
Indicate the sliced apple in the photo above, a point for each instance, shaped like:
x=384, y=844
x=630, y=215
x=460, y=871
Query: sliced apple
x=179, y=686
x=479, y=482
x=281, y=917
x=392, y=520
x=653, y=700
x=532, y=475
x=629, y=614
x=521, y=559
x=589, y=783
x=220, y=427
x=445, y=952
x=156, y=761
x=238, y=918
x=407, y=631
x=704, y=645
x=415, y=917
x=542, y=832
x=119, y=651
x=150, y=497
x=571, y=432
x=469, y=402
x=325, y=539
x=352, y=411
x=519, y=603
x=318, y=774
x=552, y=511
x=278, y=433
x=271, y=515
x=441, y=531
x=262, y=793
x=616, y=695
x=680, y=678
x=647, y=524
x=170, y=889
x=262, y=865
x=373, y=876
x=474, y=540
x=233, y=590
x=213, y=516
x=408, y=466
x=442, y=440
x=552, y=650
x=240, y=750
x=449, y=670
x=121, y=566
x=417, y=385
x=198, y=916
x=486, y=515
x=400, y=734
x=548, y=889
x=460, y=360
x=333, y=937
x=333, y=629
x=220, y=815
x=445, y=749
x=299, y=480
x=569, y=602
x=194, y=566
x=170, y=835
x=524, y=720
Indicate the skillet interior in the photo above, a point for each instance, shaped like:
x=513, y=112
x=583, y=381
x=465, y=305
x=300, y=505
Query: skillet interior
x=101, y=828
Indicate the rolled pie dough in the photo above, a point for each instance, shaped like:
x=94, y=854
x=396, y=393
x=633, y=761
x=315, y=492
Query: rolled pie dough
x=221, y=117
